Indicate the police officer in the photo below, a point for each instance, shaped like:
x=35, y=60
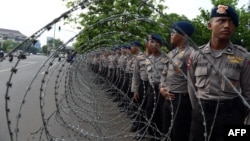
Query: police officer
x=103, y=63
x=123, y=86
x=112, y=64
x=220, y=59
x=174, y=84
x=139, y=88
x=155, y=65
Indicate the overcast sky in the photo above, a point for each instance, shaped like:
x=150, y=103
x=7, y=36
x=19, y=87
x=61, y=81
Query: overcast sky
x=28, y=16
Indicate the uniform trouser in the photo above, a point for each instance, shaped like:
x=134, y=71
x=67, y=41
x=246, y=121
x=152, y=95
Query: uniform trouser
x=181, y=109
x=96, y=68
x=121, y=80
x=142, y=103
x=143, y=87
x=93, y=67
x=129, y=80
x=105, y=72
x=111, y=75
x=230, y=112
x=102, y=71
x=154, y=110
x=114, y=78
x=125, y=87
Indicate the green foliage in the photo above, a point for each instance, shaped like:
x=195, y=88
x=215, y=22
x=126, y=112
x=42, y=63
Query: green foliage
x=108, y=23
x=46, y=48
x=54, y=43
x=233, y=3
x=7, y=45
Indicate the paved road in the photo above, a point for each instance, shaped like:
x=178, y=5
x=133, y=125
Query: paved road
x=30, y=120
x=85, y=112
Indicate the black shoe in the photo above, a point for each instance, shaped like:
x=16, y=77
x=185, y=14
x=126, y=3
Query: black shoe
x=132, y=116
x=116, y=99
x=134, y=127
x=121, y=104
x=123, y=109
x=155, y=139
x=139, y=137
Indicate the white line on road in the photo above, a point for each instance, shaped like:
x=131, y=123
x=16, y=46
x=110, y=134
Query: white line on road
x=21, y=66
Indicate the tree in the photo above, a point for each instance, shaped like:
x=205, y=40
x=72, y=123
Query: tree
x=54, y=43
x=47, y=48
x=112, y=22
x=8, y=45
x=129, y=19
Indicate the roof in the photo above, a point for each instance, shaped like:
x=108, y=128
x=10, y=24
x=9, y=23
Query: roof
x=11, y=33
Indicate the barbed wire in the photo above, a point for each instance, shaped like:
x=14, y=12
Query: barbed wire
x=89, y=102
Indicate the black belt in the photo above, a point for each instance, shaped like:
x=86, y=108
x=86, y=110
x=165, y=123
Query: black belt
x=224, y=105
x=179, y=93
x=221, y=102
x=155, y=85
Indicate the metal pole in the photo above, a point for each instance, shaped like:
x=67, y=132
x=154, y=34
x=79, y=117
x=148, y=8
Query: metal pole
x=54, y=36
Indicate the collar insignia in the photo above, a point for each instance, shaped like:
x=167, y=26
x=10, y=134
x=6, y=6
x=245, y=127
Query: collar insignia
x=229, y=49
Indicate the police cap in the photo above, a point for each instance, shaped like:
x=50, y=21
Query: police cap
x=183, y=27
x=136, y=43
x=157, y=37
x=225, y=11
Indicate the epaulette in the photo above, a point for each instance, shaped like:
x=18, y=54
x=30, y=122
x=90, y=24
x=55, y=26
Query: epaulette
x=141, y=56
x=202, y=46
x=164, y=59
x=241, y=48
x=148, y=62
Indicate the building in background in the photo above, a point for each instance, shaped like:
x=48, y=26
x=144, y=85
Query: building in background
x=9, y=34
x=38, y=45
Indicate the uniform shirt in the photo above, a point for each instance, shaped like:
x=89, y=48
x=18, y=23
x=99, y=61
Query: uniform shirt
x=139, y=72
x=174, y=75
x=122, y=61
x=103, y=61
x=233, y=62
x=112, y=61
x=95, y=61
x=155, y=67
x=129, y=64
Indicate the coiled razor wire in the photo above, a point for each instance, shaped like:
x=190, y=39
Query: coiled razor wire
x=75, y=102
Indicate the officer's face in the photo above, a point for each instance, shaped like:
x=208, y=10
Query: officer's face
x=118, y=51
x=154, y=43
x=221, y=27
x=124, y=51
x=128, y=51
x=134, y=50
x=176, y=37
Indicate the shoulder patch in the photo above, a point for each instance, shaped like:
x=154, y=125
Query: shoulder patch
x=241, y=48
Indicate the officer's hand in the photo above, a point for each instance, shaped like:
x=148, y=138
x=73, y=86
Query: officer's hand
x=136, y=96
x=163, y=92
x=170, y=96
